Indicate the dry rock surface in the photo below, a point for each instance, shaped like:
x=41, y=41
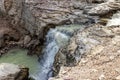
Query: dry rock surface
x=105, y=8
x=100, y=55
x=95, y=51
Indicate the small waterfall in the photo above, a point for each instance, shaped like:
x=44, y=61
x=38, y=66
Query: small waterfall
x=55, y=40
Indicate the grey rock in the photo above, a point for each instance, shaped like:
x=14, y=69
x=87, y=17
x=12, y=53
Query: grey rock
x=12, y=72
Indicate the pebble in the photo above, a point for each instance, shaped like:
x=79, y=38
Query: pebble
x=112, y=57
x=118, y=70
x=118, y=77
x=102, y=77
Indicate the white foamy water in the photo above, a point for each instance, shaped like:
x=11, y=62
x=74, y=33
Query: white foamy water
x=55, y=40
x=115, y=21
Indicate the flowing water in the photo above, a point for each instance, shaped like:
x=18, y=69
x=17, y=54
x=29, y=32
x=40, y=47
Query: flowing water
x=55, y=39
x=42, y=69
x=115, y=21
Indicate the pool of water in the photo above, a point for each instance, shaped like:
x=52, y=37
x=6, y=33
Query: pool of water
x=20, y=57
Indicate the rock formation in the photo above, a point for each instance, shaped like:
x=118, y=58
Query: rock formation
x=104, y=8
x=24, y=23
x=94, y=50
x=32, y=19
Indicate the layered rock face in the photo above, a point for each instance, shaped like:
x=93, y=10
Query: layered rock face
x=105, y=8
x=32, y=19
x=13, y=72
x=49, y=13
x=79, y=40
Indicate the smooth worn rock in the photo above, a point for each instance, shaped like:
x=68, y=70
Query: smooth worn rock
x=118, y=77
x=27, y=39
x=13, y=72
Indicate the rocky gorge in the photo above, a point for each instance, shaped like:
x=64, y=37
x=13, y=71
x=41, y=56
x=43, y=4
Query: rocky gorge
x=66, y=35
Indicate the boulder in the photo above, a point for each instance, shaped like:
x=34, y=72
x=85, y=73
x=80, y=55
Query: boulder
x=13, y=72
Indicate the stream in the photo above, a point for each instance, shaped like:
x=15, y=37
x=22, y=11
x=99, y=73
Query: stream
x=55, y=39
x=42, y=68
